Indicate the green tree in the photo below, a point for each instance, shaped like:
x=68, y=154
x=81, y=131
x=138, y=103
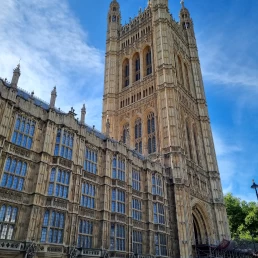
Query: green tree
x=242, y=216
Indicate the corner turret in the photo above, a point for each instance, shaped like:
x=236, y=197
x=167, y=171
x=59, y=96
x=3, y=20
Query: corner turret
x=114, y=19
x=185, y=18
x=16, y=76
x=83, y=114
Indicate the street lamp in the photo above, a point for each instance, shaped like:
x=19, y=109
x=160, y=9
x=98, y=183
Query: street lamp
x=255, y=186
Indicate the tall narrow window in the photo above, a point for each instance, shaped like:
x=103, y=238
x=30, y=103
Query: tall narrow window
x=53, y=227
x=138, y=135
x=158, y=213
x=126, y=73
x=196, y=145
x=85, y=234
x=180, y=70
x=137, y=242
x=157, y=188
x=8, y=216
x=23, y=132
x=90, y=161
x=137, y=67
x=125, y=133
x=189, y=141
x=151, y=133
x=117, y=237
x=59, y=183
x=160, y=242
x=148, y=61
x=118, y=170
x=136, y=180
x=14, y=174
x=88, y=195
x=64, y=144
x=118, y=201
x=136, y=209
x=187, y=78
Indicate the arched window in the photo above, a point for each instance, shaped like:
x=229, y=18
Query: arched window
x=151, y=133
x=188, y=136
x=53, y=227
x=148, y=61
x=125, y=132
x=14, y=174
x=138, y=135
x=187, y=78
x=157, y=188
x=137, y=67
x=126, y=72
x=8, y=216
x=196, y=145
x=23, y=132
x=180, y=70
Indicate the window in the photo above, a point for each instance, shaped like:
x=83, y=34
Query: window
x=118, y=201
x=126, y=73
x=117, y=237
x=137, y=67
x=187, y=77
x=136, y=184
x=159, y=214
x=14, y=174
x=64, y=144
x=195, y=138
x=137, y=242
x=151, y=133
x=160, y=244
x=188, y=136
x=88, y=195
x=118, y=170
x=125, y=132
x=53, y=227
x=23, y=132
x=180, y=70
x=157, y=185
x=8, y=216
x=85, y=234
x=59, y=183
x=136, y=209
x=91, y=160
x=138, y=135
x=148, y=62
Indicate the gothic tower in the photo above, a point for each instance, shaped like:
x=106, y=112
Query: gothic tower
x=155, y=102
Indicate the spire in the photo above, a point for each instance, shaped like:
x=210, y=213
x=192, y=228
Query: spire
x=16, y=76
x=182, y=2
x=53, y=98
x=83, y=114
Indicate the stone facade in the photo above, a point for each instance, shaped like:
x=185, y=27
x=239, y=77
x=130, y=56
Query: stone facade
x=67, y=190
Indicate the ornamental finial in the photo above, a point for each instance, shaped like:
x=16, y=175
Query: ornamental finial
x=182, y=2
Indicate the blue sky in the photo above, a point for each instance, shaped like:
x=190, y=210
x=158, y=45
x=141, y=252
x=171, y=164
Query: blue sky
x=62, y=43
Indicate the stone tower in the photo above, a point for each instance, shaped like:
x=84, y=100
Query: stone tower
x=155, y=103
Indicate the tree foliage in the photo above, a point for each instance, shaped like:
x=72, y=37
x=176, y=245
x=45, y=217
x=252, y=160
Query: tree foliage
x=242, y=216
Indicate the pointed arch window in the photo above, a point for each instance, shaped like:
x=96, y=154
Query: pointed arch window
x=187, y=77
x=180, y=70
x=137, y=67
x=64, y=144
x=23, y=132
x=14, y=174
x=196, y=145
x=148, y=61
x=151, y=133
x=138, y=135
x=126, y=72
x=125, y=132
x=53, y=227
x=188, y=135
x=8, y=216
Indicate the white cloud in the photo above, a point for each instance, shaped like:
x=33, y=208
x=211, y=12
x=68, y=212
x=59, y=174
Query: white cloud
x=54, y=51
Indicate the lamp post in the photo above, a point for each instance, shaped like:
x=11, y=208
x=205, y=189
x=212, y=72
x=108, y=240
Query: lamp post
x=255, y=186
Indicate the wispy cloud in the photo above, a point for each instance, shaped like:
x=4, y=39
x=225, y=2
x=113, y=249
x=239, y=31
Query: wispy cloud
x=54, y=51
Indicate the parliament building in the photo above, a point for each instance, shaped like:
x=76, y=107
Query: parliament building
x=147, y=186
